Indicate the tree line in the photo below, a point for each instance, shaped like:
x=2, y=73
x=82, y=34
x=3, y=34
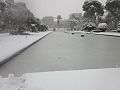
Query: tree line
x=15, y=16
x=96, y=12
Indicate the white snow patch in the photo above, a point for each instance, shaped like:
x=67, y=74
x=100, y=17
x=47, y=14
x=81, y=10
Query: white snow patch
x=97, y=79
x=10, y=44
x=12, y=83
x=108, y=33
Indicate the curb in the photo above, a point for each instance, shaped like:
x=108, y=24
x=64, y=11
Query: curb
x=21, y=50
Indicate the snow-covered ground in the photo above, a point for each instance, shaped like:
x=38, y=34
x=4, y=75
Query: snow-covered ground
x=96, y=79
x=108, y=33
x=96, y=33
x=11, y=44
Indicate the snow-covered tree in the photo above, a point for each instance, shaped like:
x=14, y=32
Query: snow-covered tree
x=113, y=6
x=93, y=9
x=2, y=6
x=9, y=2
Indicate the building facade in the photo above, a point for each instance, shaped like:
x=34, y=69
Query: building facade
x=48, y=21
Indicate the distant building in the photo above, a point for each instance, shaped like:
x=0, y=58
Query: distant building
x=48, y=21
x=64, y=23
x=78, y=15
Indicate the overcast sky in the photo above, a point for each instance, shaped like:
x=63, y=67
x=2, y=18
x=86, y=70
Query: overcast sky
x=42, y=8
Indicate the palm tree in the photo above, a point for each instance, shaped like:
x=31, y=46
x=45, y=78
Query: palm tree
x=58, y=20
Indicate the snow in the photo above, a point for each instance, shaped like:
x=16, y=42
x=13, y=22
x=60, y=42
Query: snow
x=12, y=83
x=95, y=33
x=103, y=79
x=103, y=25
x=108, y=33
x=11, y=44
x=96, y=79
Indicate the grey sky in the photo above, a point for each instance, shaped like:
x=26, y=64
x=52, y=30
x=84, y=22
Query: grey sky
x=55, y=7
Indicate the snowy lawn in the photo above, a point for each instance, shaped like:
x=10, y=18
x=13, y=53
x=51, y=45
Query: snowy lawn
x=99, y=33
x=97, y=79
x=108, y=33
x=11, y=44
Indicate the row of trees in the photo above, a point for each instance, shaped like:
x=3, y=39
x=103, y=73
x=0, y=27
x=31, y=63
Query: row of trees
x=17, y=17
x=95, y=10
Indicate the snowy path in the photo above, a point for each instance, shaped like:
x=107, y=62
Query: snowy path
x=11, y=44
x=96, y=79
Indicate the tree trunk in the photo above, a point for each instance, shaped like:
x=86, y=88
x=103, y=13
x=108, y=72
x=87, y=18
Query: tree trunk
x=116, y=23
x=58, y=22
